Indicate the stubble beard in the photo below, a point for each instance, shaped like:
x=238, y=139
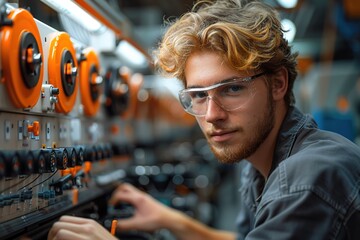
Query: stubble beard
x=236, y=152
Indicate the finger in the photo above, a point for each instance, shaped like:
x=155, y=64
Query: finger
x=73, y=227
x=121, y=196
x=73, y=219
x=52, y=233
x=125, y=192
x=65, y=234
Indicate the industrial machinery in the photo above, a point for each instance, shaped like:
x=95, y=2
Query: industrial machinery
x=69, y=107
x=56, y=112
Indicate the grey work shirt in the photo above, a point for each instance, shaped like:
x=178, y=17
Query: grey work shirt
x=312, y=191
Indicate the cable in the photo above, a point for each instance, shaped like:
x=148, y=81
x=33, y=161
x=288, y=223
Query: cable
x=4, y=190
x=30, y=182
x=44, y=180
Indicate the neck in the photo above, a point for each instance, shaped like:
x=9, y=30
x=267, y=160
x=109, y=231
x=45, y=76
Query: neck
x=263, y=157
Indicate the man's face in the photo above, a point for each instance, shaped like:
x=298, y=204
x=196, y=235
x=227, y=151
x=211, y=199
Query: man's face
x=237, y=134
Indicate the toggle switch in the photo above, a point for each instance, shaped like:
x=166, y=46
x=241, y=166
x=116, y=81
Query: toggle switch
x=33, y=128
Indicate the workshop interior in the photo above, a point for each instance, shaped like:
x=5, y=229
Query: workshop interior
x=82, y=109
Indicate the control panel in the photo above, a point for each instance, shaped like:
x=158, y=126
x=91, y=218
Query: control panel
x=63, y=112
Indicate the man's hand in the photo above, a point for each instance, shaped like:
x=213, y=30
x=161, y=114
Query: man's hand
x=149, y=214
x=69, y=228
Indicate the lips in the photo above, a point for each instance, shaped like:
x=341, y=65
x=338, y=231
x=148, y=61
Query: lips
x=221, y=136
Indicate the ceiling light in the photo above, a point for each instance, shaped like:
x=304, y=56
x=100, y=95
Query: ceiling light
x=127, y=51
x=290, y=29
x=288, y=3
x=76, y=13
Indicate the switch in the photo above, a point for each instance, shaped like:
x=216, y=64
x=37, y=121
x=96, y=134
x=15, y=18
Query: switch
x=33, y=128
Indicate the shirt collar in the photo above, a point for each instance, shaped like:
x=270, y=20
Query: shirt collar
x=293, y=122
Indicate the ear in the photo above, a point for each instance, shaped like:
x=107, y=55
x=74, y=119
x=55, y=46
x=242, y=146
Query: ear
x=280, y=84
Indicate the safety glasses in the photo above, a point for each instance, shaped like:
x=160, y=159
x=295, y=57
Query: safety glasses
x=230, y=95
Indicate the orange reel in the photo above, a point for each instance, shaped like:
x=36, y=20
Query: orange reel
x=21, y=57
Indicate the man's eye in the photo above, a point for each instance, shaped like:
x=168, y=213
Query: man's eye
x=233, y=88
x=198, y=95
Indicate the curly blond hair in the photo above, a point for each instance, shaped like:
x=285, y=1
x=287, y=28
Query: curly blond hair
x=248, y=36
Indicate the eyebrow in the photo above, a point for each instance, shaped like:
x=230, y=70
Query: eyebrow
x=222, y=81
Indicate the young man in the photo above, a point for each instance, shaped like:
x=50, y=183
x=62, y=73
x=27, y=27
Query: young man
x=238, y=71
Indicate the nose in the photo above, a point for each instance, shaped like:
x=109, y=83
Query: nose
x=214, y=111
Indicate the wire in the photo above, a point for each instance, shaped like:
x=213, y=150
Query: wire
x=30, y=182
x=43, y=180
x=4, y=190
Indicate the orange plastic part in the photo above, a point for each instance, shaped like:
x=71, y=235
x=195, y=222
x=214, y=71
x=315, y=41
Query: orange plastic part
x=113, y=227
x=87, y=167
x=75, y=196
x=29, y=57
x=60, y=43
x=86, y=78
x=20, y=95
x=34, y=128
x=64, y=172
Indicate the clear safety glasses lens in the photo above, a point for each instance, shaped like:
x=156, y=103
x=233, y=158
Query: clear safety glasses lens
x=229, y=95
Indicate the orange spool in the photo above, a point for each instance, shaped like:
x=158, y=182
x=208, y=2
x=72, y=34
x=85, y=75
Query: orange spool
x=62, y=71
x=21, y=57
x=89, y=87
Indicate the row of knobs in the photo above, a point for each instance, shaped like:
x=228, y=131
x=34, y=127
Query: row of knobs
x=48, y=160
